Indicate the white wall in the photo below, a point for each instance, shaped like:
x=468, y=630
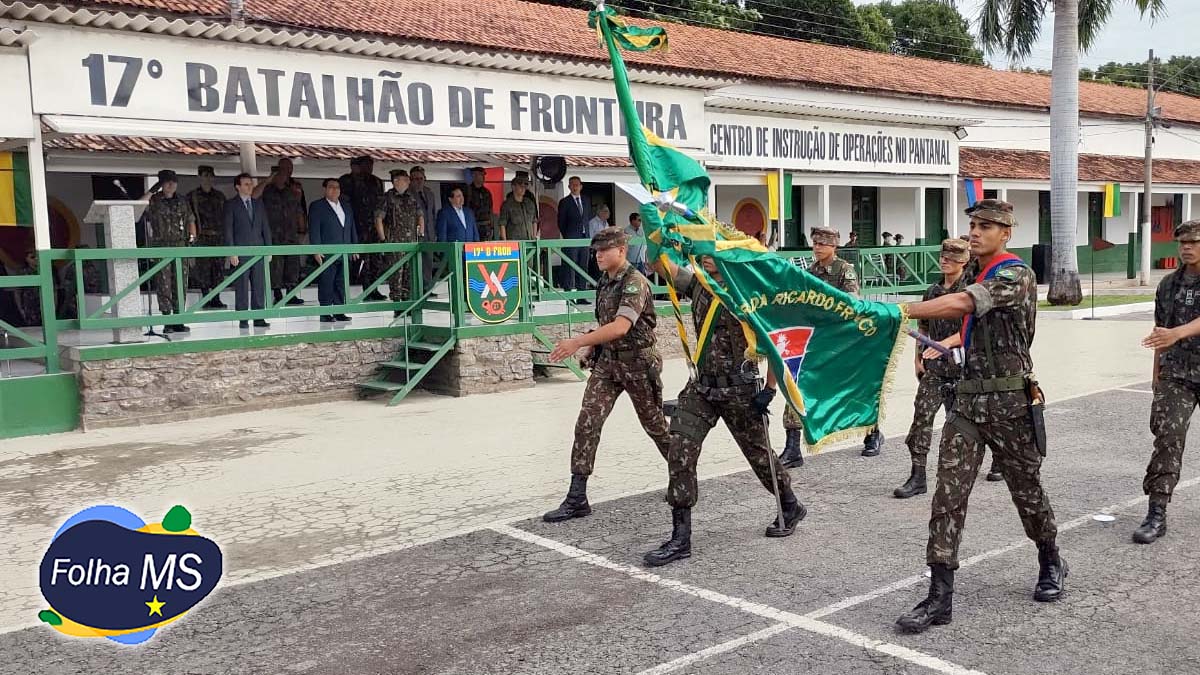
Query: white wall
x=1025, y=208
x=898, y=213
x=839, y=212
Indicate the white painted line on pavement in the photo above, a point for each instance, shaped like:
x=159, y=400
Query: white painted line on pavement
x=1134, y=391
x=736, y=643
x=765, y=611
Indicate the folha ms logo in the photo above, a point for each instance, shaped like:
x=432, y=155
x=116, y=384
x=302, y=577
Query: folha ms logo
x=792, y=344
x=107, y=573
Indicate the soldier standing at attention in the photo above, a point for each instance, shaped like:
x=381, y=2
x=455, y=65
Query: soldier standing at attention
x=625, y=359
x=1176, y=344
x=172, y=225
x=208, y=204
x=934, y=376
x=726, y=388
x=398, y=220
x=998, y=403
x=287, y=215
x=363, y=189
x=479, y=200
x=831, y=269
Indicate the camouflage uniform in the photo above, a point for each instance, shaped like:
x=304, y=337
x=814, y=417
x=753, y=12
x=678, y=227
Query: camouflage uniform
x=168, y=218
x=479, y=200
x=286, y=216
x=940, y=374
x=1177, y=392
x=209, y=208
x=841, y=275
x=723, y=391
x=1005, y=311
x=519, y=218
x=401, y=215
x=364, y=192
x=631, y=364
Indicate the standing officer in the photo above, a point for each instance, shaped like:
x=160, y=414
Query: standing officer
x=624, y=359
x=363, y=189
x=479, y=200
x=1176, y=344
x=398, y=220
x=831, y=269
x=726, y=388
x=934, y=376
x=287, y=213
x=998, y=403
x=208, y=204
x=172, y=224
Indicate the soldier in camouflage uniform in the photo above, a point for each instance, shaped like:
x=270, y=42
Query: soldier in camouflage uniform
x=363, y=189
x=479, y=200
x=286, y=213
x=998, y=403
x=725, y=388
x=1176, y=344
x=172, y=224
x=208, y=204
x=398, y=220
x=934, y=376
x=624, y=359
x=831, y=269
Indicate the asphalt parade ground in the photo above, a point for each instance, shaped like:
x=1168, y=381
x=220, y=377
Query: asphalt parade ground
x=523, y=596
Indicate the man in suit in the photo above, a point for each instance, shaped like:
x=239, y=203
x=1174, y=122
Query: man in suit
x=456, y=223
x=246, y=225
x=574, y=212
x=331, y=221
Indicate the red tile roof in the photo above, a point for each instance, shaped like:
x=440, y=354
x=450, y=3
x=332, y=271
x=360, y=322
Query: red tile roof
x=196, y=148
x=987, y=163
x=513, y=25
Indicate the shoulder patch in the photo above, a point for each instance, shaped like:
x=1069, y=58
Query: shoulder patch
x=632, y=287
x=850, y=273
x=1008, y=273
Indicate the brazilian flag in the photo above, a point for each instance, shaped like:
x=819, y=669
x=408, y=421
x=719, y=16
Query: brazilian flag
x=831, y=352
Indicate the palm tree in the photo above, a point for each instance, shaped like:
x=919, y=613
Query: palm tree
x=1013, y=27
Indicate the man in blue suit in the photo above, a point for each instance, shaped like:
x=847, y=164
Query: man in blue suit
x=331, y=221
x=574, y=212
x=455, y=223
x=246, y=225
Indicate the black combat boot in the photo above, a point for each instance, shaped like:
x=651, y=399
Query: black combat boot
x=793, y=512
x=278, y=293
x=915, y=486
x=575, y=505
x=873, y=443
x=935, y=610
x=994, y=474
x=1052, y=576
x=1154, y=526
x=680, y=544
x=793, y=455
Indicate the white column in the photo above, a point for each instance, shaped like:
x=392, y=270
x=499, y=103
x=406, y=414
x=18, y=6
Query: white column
x=1002, y=194
x=1187, y=206
x=782, y=206
x=37, y=189
x=824, y=206
x=920, y=211
x=120, y=232
x=952, y=212
x=249, y=158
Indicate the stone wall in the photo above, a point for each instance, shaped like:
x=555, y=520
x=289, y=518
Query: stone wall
x=118, y=392
x=667, y=333
x=484, y=366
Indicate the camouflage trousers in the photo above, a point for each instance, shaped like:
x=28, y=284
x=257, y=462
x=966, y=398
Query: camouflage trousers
x=285, y=269
x=164, y=284
x=693, y=419
x=400, y=282
x=1170, y=415
x=1016, y=455
x=208, y=272
x=929, y=398
x=598, y=400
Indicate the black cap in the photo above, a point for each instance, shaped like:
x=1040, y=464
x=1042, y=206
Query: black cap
x=398, y=173
x=521, y=177
x=205, y=171
x=360, y=160
x=477, y=168
x=167, y=176
x=416, y=169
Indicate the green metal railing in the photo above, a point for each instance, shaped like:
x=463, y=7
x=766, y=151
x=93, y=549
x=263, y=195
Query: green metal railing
x=882, y=271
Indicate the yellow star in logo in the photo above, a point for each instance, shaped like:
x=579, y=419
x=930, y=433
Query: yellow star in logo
x=155, y=606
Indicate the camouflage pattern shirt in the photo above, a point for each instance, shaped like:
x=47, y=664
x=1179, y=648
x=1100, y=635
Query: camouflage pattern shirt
x=169, y=218
x=1176, y=303
x=285, y=212
x=401, y=217
x=209, y=208
x=1005, y=318
x=726, y=351
x=479, y=200
x=838, y=273
x=364, y=193
x=940, y=329
x=632, y=356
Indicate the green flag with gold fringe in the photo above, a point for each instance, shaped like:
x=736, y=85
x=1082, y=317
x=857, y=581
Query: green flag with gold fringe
x=831, y=352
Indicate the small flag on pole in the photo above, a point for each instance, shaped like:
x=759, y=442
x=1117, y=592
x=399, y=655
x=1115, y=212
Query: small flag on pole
x=1112, y=199
x=16, y=202
x=974, y=189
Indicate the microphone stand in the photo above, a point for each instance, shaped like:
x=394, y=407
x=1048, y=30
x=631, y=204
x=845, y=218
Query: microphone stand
x=150, y=332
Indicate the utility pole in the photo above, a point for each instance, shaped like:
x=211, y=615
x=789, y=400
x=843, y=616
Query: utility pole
x=1147, y=195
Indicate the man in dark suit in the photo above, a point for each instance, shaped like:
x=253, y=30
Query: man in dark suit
x=331, y=221
x=574, y=212
x=456, y=223
x=246, y=225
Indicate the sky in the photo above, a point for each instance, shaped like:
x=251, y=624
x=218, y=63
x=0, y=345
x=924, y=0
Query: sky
x=1127, y=36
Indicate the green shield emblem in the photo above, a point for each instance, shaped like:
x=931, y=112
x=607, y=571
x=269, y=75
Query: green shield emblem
x=493, y=279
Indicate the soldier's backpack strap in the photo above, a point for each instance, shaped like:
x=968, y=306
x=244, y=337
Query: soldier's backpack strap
x=1172, y=290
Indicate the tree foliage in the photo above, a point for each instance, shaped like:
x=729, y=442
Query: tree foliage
x=930, y=29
